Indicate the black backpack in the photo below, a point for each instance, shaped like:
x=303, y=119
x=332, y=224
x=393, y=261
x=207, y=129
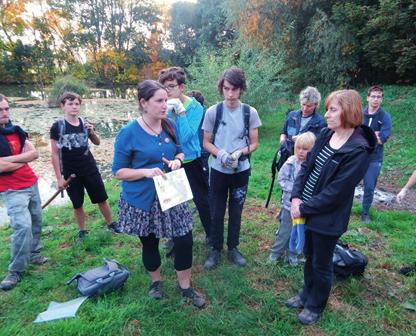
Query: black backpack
x=348, y=261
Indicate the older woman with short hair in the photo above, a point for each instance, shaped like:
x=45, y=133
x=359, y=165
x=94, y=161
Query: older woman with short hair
x=323, y=194
x=306, y=119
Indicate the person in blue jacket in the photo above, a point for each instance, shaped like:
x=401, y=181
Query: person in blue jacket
x=146, y=147
x=323, y=194
x=187, y=114
x=380, y=123
x=307, y=119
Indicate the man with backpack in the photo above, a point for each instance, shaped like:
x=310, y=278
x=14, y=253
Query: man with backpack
x=19, y=191
x=230, y=135
x=380, y=122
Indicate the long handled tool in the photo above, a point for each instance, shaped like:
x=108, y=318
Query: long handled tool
x=67, y=182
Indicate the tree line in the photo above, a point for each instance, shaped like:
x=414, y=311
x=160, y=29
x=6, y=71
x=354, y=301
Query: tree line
x=288, y=44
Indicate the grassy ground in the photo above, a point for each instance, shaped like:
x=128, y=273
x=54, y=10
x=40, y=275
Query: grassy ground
x=241, y=301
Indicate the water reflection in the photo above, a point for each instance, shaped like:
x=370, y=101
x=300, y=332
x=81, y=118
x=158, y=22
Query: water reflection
x=106, y=111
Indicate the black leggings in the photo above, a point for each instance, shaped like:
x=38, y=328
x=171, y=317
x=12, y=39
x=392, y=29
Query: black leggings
x=183, y=252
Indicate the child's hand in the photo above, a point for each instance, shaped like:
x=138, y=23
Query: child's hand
x=89, y=127
x=401, y=195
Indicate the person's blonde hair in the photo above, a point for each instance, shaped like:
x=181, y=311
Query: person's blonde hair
x=351, y=107
x=305, y=140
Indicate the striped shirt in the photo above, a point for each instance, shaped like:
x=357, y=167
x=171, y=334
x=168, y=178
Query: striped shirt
x=322, y=157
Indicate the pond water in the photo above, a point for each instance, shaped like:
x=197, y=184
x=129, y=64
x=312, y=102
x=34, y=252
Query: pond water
x=109, y=110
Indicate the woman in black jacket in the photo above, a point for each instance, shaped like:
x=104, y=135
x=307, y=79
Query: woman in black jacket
x=323, y=193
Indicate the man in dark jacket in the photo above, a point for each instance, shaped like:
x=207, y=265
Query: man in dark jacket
x=380, y=123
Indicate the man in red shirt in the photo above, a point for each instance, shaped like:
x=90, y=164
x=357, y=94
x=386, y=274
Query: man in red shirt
x=19, y=191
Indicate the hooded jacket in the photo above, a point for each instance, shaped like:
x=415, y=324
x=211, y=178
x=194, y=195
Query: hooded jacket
x=328, y=210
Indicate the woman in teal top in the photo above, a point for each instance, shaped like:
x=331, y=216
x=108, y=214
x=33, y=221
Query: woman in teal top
x=144, y=148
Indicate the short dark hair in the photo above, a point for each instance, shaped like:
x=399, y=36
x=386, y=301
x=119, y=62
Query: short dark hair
x=375, y=88
x=3, y=97
x=197, y=95
x=172, y=73
x=235, y=76
x=68, y=95
x=351, y=107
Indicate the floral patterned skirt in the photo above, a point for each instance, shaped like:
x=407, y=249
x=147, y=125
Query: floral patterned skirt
x=174, y=222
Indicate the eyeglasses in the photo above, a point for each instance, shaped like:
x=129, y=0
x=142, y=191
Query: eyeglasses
x=376, y=97
x=171, y=86
x=6, y=109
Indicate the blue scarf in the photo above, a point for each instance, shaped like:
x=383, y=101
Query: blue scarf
x=5, y=149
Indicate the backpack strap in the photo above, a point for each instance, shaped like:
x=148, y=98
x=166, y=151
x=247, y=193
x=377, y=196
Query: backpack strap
x=60, y=144
x=246, y=111
x=218, y=120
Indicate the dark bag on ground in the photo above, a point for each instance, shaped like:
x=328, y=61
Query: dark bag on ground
x=102, y=279
x=348, y=261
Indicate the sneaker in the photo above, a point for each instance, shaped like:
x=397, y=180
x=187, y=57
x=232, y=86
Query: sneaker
x=293, y=260
x=294, y=302
x=113, y=228
x=38, y=259
x=307, y=317
x=11, y=280
x=212, y=260
x=155, y=290
x=236, y=257
x=366, y=218
x=196, y=297
x=273, y=257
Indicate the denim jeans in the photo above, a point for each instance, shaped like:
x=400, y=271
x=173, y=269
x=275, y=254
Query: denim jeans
x=282, y=235
x=297, y=239
x=25, y=213
x=234, y=188
x=318, y=271
x=370, y=182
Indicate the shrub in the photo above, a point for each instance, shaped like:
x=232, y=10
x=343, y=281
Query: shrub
x=67, y=83
x=265, y=83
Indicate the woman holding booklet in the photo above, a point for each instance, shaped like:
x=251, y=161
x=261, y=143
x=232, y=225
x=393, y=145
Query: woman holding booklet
x=144, y=148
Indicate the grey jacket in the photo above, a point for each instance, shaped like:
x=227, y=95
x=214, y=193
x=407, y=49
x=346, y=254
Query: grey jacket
x=286, y=178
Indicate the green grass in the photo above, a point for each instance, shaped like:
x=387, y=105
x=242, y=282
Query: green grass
x=241, y=301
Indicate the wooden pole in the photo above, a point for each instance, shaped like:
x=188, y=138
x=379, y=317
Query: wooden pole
x=67, y=182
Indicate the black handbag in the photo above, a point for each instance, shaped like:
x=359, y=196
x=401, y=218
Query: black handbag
x=102, y=279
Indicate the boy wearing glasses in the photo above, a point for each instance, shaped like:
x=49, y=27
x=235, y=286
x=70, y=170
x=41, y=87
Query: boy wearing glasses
x=380, y=121
x=187, y=113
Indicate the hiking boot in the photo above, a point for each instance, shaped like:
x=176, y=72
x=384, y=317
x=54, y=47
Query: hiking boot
x=366, y=218
x=407, y=270
x=82, y=234
x=294, y=302
x=113, y=228
x=38, y=259
x=196, y=297
x=307, y=317
x=212, y=260
x=10, y=281
x=155, y=290
x=236, y=257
